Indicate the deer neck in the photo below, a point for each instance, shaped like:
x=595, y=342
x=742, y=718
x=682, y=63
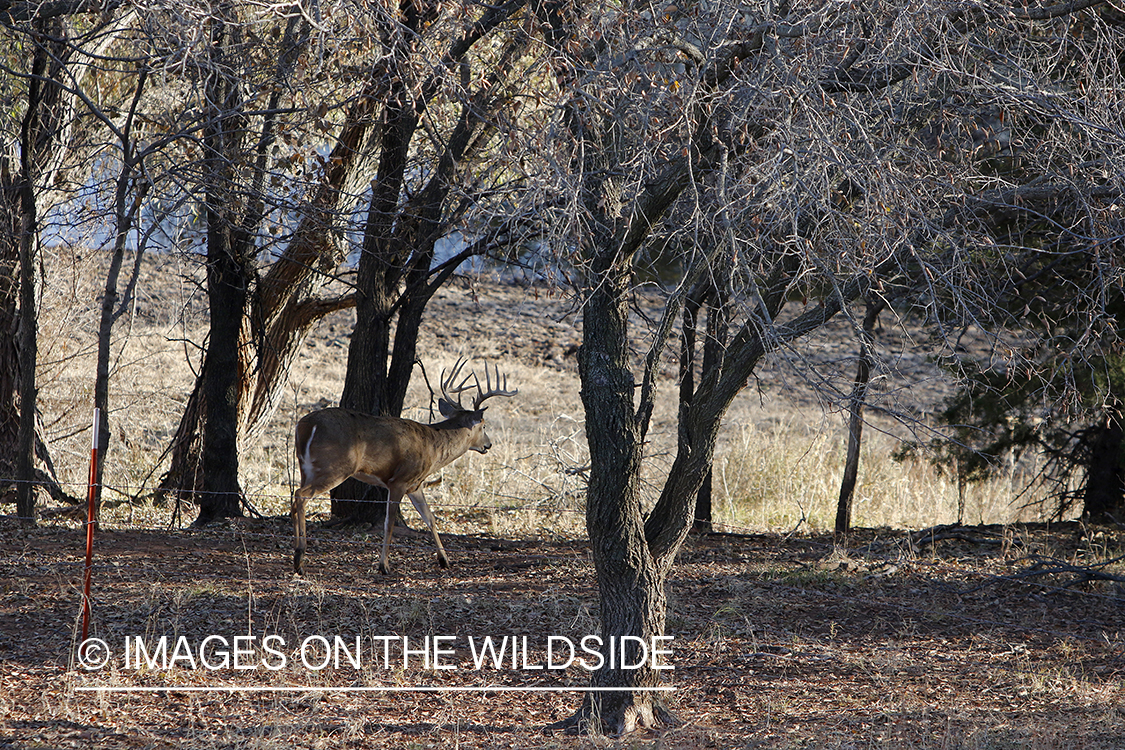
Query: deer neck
x=452, y=441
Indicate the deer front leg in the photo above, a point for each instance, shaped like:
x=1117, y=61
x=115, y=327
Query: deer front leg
x=394, y=497
x=423, y=509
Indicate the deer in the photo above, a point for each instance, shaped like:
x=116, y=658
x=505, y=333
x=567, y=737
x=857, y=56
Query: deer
x=335, y=444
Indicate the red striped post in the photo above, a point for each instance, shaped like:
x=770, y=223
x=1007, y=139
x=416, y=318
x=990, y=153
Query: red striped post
x=91, y=494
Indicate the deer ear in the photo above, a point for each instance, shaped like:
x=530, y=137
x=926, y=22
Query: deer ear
x=447, y=409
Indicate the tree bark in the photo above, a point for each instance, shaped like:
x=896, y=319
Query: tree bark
x=229, y=253
x=632, y=556
x=630, y=581
x=25, y=443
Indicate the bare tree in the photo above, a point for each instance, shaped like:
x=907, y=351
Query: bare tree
x=438, y=170
x=855, y=416
x=858, y=154
x=47, y=143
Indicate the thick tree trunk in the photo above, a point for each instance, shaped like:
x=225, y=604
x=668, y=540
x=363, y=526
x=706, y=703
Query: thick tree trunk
x=630, y=580
x=221, y=384
x=230, y=248
x=703, y=521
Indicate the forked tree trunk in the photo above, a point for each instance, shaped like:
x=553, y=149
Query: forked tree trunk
x=630, y=580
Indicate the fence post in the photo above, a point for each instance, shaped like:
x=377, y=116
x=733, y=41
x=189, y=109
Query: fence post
x=91, y=494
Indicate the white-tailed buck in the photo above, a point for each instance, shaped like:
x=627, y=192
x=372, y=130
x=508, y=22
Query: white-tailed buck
x=335, y=444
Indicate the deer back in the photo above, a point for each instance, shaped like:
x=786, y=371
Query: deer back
x=344, y=443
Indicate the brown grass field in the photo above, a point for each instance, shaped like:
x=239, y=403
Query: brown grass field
x=1006, y=632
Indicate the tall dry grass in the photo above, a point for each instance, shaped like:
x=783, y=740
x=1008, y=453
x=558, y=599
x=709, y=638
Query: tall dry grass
x=780, y=476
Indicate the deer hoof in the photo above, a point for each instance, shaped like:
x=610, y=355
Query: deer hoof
x=443, y=561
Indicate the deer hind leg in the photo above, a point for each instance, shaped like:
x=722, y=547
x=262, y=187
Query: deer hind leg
x=394, y=498
x=423, y=509
x=300, y=499
x=310, y=487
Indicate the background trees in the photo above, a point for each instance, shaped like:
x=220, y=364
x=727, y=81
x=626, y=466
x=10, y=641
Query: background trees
x=452, y=81
x=398, y=155
x=50, y=132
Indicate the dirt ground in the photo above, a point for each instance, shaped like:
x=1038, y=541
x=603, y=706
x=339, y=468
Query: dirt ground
x=981, y=637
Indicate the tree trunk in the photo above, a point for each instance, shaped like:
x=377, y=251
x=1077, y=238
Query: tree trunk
x=714, y=348
x=28, y=320
x=702, y=517
x=1104, y=495
x=366, y=382
x=229, y=253
x=127, y=200
x=701, y=520
x=9, y=340
x=855, y=418
x=41, y=131
x=221, y=378
x=25, y=443
x=630, y=581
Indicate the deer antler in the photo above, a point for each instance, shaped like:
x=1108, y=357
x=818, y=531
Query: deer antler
x=451, y=389
x=489, y=391
x=450, y=393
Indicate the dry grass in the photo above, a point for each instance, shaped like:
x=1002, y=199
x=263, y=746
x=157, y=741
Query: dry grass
x=776, y=477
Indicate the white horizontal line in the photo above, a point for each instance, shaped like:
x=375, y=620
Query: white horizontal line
x=378, y=689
